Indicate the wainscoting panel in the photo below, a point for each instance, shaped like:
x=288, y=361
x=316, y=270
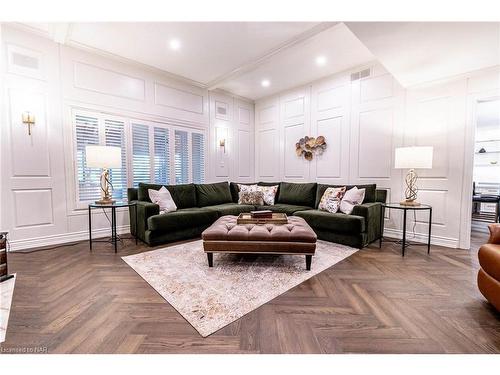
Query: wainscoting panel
x=244, y=154
x=267, y=115
x=33, y=207
x=267, y=153
x=108, y=82
x=375, y=144
x=295, y=167
x=30, y=155
x=179, y=99
x=331, y=98
x=329, y=164
x=377, y=88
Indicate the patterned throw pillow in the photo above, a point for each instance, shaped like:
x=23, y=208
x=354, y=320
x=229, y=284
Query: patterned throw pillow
x=242, y=187
x=255, y=198
x=330, y=201
x=269, y=193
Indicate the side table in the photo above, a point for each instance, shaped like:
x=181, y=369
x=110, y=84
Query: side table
x=113, y=206
x=399, y=206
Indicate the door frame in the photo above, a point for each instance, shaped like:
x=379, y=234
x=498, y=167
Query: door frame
x=473, y=101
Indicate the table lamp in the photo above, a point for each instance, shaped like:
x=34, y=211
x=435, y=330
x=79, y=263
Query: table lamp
x=104, y=157
x=416, y=157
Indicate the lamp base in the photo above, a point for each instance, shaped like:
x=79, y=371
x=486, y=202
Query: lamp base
x=409, y=203
x=105, y=201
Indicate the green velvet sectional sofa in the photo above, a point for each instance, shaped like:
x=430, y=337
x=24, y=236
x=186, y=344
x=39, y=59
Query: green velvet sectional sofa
x=199, y=205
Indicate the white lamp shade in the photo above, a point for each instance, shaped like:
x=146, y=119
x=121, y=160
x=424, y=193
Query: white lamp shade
x=103, y=156
x=416, y=157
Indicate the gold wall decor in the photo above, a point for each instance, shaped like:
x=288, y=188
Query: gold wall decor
x=309, y=146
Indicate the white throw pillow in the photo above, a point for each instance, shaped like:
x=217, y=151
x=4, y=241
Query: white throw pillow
x=163, y=199
x=351, y=198
x=269, y=193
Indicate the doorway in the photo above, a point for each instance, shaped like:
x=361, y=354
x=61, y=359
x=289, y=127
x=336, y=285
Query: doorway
x=486, y=170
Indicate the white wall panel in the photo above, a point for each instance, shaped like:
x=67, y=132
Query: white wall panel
x=295, y=167
x=245, y=161
x=375, y=144
x=377, y=88
x=329, y=164
x=178, y=99
x=108, y=82
x=267, y=153
x=30, y=154
x=33, y=207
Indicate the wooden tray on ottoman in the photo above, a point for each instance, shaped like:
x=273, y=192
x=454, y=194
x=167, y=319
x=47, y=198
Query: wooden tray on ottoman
x=277, y=218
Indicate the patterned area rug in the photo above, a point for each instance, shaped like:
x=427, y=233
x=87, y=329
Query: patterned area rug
x=211, y=298
x=6, y=292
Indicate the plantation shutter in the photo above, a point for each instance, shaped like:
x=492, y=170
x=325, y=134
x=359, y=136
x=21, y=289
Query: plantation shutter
x=181, y=161
x=87, y=133
x=198, y=157
x=140, y=154
x=162, y=156
x=115, y=136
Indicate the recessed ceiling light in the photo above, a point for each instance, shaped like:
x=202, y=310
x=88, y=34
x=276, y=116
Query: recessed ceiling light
x=265, y=83
x=320, y=60
x=175, y=44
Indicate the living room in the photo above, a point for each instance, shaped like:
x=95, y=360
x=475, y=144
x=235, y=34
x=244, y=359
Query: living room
x=191, y=186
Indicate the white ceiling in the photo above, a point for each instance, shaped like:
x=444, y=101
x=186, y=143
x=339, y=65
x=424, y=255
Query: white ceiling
x=237, y=56
x=295, y=66
x=418, y=52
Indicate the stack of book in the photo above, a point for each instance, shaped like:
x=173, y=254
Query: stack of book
x=264, y=214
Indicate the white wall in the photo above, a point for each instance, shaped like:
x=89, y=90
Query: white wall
x=363, y=122
x=38, y=193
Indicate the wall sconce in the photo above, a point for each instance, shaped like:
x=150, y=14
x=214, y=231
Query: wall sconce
x=222, y=144
x=28, y=119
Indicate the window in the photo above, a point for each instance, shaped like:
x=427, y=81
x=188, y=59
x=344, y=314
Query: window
x=97, y=129
x=198, y=156
x=181, y=157
x=152, y=152
x=140, y=154
x=162, y=156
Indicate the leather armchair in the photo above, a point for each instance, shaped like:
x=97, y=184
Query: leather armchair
x=488, y=277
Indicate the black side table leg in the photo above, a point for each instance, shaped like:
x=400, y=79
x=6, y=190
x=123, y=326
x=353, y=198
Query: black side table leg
x=382, y=212
x=430, y=229
x=136, y=232
x=210, y=257
x=113, y=227
x=90, y=229
x=404, y=231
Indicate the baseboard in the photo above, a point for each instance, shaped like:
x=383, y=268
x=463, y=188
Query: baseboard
x=58, y=239
x=435, y=240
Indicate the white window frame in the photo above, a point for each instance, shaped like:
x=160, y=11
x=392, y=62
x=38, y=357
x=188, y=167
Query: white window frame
x=128, y=120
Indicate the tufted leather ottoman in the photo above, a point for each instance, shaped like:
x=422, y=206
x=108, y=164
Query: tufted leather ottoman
x=225, y=236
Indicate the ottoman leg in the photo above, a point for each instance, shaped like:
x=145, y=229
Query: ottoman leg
x=210, y=257
x=308, y=262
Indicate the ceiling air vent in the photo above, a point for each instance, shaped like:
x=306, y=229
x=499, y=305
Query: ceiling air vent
x=361, y=74
x=221, y=110
x=24, y=60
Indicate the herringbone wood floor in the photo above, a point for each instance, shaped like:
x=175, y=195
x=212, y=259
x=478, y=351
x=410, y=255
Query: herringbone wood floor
x=73, y=301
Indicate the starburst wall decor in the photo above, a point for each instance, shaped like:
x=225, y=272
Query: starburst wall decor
x=309, y=146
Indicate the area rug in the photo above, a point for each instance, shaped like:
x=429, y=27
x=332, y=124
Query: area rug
x=6, y=292
x=211, y=298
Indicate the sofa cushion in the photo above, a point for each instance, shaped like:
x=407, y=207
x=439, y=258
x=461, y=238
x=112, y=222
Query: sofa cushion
x=182, y=219
x=235, y=191
x=212, y=194
x=339, y=223
x=271, y=184
x=288, y=209
x=230, y=208
x=298, y=194
x=369, y=191
x=184, y=195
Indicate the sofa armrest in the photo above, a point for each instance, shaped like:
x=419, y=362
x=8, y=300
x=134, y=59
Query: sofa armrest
x=144, y=211
x=371, y=212
x=494, y=234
